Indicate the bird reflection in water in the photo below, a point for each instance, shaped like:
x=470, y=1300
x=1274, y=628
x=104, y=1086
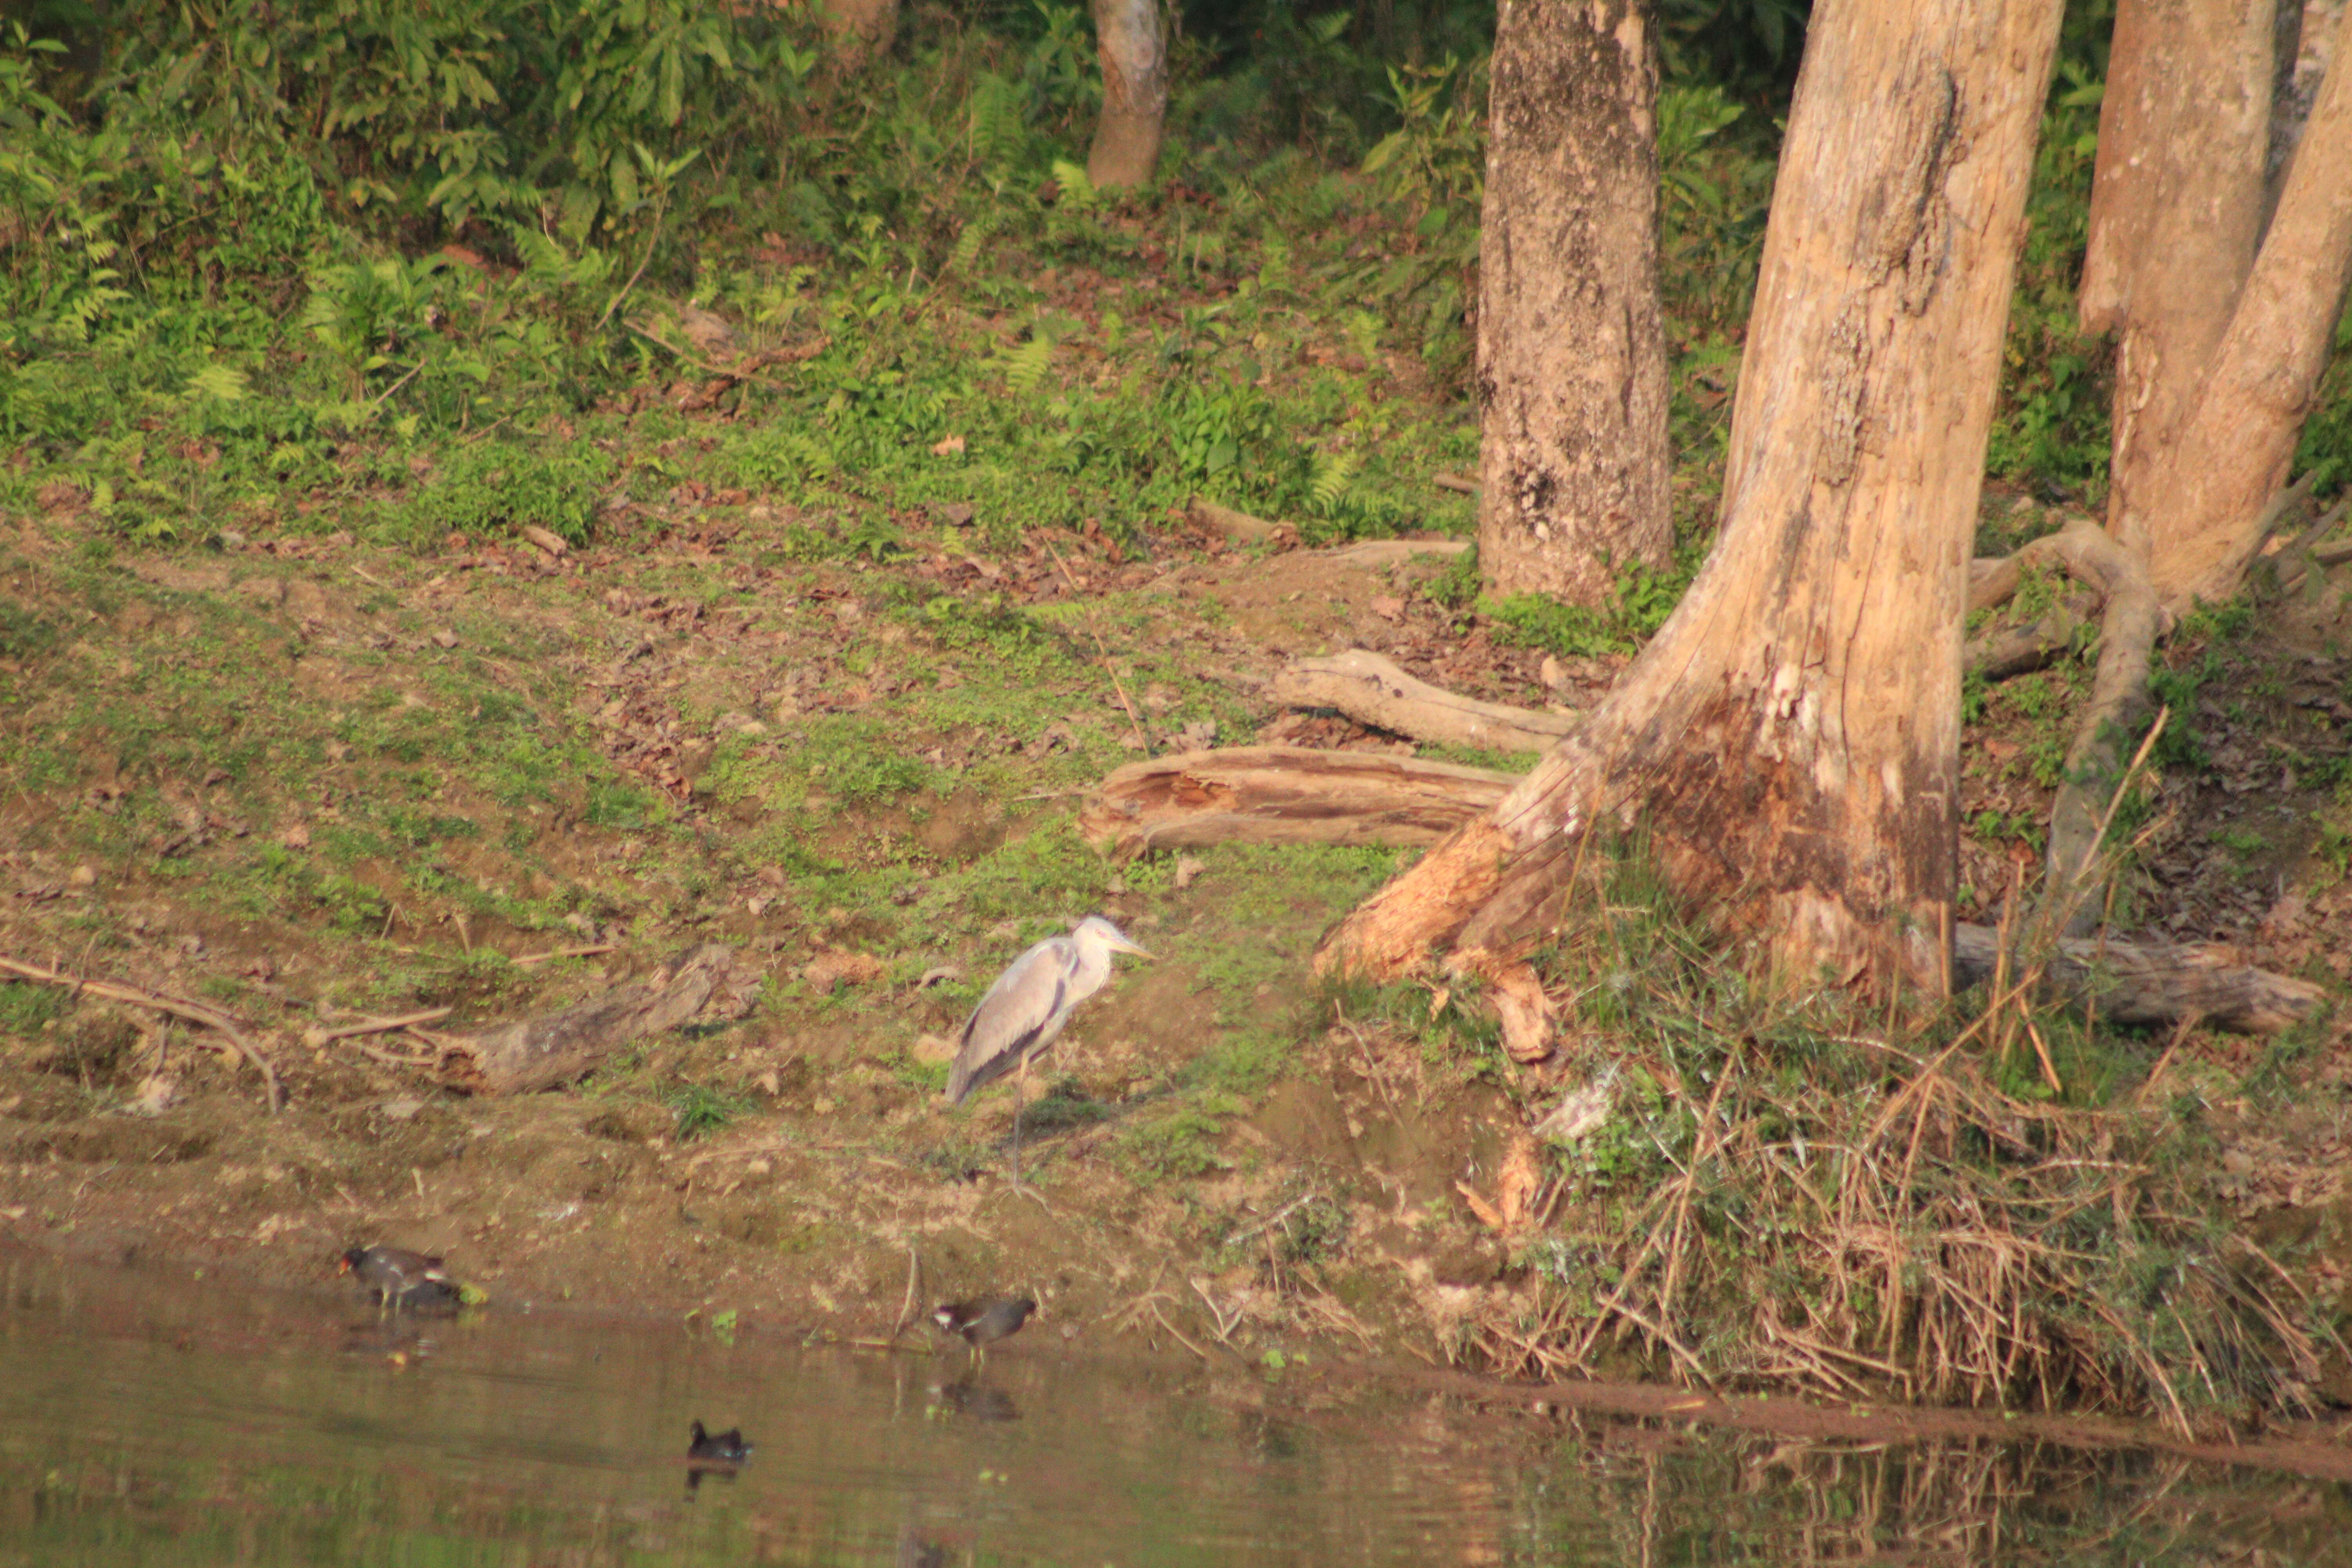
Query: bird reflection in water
x=914, y=1551
x=714, y=1454
x=975, y=1399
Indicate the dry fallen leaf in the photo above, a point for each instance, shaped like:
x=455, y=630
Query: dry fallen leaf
x=1479, y=1207
x=951, y=446
x=295, y=837
x=1515, y=1189
x=1526, y=1012
x=1388, y=606
x=1188, y=866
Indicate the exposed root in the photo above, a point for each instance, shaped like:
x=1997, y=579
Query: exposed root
x=233, y=1041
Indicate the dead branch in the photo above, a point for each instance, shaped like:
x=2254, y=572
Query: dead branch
x=1372, y=691
x=1284, y=795
x=556, y=1048
x=177, y=1007
x=2152, y=982
x=316, y=1038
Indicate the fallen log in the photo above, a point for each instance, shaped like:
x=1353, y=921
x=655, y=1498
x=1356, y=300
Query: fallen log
x=2152, y=982
x=1284, y=795
x=1372, y=691
x=559, y=1047
x=1236, y=525
x=1377, y=553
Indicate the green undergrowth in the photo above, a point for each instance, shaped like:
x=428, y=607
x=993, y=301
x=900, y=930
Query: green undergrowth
x=1981, y=1207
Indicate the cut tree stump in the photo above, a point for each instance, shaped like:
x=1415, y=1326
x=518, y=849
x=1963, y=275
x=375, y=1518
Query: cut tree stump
x=1284, y=795
x=560, y=1047
x=2153, y=982
x=1372, y=691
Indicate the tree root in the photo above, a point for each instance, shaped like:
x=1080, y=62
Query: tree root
x=1373, y=690
x=2110, y=723
x=236, y=1044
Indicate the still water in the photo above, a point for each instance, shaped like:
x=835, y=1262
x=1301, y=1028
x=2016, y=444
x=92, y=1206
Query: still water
x=150, y=1417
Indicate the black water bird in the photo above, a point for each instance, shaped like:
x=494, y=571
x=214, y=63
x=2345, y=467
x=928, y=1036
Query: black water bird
x=983, y=1320
x=726, y=1448
x=402, y=1280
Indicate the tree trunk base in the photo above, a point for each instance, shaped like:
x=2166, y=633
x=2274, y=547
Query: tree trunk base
x=1125, y=151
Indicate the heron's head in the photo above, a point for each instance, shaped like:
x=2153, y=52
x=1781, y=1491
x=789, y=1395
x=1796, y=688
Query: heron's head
x=1099, y=932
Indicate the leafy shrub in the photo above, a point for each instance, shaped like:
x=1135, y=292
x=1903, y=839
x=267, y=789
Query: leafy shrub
x=500, y=487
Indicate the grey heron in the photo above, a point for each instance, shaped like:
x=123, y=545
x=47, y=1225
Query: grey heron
x=1027, y=1006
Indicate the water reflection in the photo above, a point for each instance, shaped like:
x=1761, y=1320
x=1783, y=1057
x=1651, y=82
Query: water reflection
x=145, y=1421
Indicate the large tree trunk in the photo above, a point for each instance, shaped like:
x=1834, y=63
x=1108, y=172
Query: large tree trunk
x=862, y=30
x=1135, y=93
x=2177, y=209
x=1789, y=740
x=2231, y=455
x=1571, y=342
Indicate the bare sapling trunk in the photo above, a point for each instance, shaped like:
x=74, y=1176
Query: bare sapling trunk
x=2177, y=209
x=1789, y=740
x=1134, y=52
x=862, y=30
x=1571, y=339
x=2207, y=520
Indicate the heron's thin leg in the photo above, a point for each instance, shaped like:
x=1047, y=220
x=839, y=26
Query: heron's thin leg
x=1019, y=1093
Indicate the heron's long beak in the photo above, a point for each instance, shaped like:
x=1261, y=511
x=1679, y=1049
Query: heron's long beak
x=1120, y=944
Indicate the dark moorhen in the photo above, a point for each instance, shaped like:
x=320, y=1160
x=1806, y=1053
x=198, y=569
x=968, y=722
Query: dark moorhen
x=984, y=1321
x=401, y=1280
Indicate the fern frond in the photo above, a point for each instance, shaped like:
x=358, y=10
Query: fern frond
x=1024, y=367
x=1329, y=479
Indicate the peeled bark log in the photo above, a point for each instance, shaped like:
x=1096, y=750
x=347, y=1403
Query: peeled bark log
x=1135, y=93
x=2205, y=523
x=1573, y=464
x=1284, y=795
x=2176, y=208
x=1372, y=691
x=2153, y=982
x=1789, y=740
x=555, y=1049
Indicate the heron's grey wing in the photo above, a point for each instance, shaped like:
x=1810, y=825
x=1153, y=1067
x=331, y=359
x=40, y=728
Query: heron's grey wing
x=1024, y=1007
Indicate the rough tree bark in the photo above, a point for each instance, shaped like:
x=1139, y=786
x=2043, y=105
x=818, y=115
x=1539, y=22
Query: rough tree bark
x=2177, y=210
x=2231, y=455
x=1135, y=93
x=1790, y=739
x=862, y=29
x=1573, y=463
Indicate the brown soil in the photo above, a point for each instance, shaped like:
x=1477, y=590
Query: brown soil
x=803, y=1211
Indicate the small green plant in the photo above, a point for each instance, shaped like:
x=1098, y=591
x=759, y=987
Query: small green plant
x=701, y=1110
